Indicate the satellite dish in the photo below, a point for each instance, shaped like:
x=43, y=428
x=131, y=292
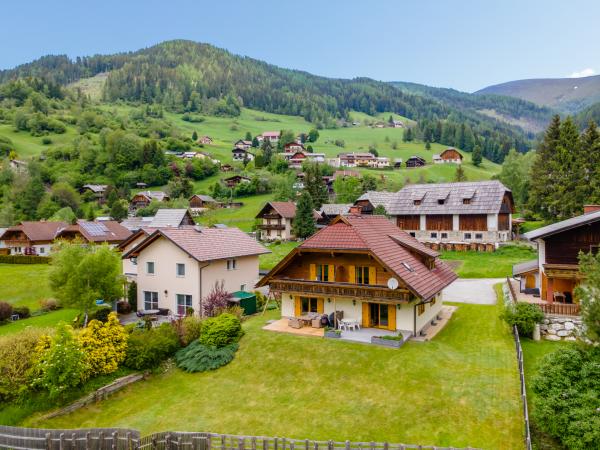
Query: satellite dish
x=392, y=283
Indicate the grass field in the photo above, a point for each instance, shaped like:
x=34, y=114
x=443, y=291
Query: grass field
x=460, y=389
x=49, y=320
x=24, y=284
x=278, y=252
x=27, y=145
x=242, y=218
x=497, y=264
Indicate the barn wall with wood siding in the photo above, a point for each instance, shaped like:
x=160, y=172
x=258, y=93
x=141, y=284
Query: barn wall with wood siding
x=409, y=222
x=472, y=222
x=563, y=248
x=437, y=222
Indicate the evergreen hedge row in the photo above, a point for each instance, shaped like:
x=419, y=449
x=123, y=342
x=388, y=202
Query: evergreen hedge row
x=24, y=259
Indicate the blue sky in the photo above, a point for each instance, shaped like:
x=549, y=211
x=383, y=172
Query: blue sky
x=463, y=44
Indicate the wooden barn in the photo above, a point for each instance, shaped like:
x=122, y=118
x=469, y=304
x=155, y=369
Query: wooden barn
x=415, y=161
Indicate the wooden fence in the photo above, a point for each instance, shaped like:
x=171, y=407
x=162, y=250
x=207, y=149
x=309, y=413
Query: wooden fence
x=125, y=439
x=561, y=309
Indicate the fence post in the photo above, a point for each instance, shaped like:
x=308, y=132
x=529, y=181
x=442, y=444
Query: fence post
x=222, y=442
x=101, y=440
x=73, y=441
x=128, y=436
x=115, y=440
x=154, y=442
x=168, y=442
x=88, y=441
x=240, y=443
x=178, y=442
x=48, y=441
x=347, y=445
x=61, y=442
x=253, y=443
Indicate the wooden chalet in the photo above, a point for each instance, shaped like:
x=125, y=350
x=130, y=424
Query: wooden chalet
x=202, y=201
x=243, y=144
x=31, y=238
x=450, y=155
x=415, y=161
x=234, y=180
x=293, y=147
x=95, y=232
x=556, y=272
x=205, y=140
x=98, y=191
x=365, y=270
x=143, y=199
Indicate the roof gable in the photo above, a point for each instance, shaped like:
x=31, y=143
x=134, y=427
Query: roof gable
x=565, y=225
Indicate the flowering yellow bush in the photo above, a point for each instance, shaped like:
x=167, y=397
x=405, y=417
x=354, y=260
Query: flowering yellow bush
x=104, y=345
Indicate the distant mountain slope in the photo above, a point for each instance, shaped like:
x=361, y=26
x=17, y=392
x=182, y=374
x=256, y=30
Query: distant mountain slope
x=186, y=76
x=513, y=111
x=568, y=95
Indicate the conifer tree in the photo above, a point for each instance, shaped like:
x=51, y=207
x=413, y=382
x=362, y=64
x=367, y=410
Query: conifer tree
x=477, y=158
x=194, y=136
x=304, y=222
x=313, y=182
x=460, y=175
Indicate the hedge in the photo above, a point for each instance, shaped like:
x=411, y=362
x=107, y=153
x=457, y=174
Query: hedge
x=24, y=259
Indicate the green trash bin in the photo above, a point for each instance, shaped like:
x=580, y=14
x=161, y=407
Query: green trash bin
x=246, y=300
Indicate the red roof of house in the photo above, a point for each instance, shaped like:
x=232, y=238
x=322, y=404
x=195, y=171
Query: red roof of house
x=271, y=134
x=103, y=231
x=397, y=250
x=37, y=231
x=205, y=244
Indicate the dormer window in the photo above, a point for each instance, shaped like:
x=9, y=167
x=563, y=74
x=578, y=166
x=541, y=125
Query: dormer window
x=416, y=202
x=466, y=201
x=441, y=201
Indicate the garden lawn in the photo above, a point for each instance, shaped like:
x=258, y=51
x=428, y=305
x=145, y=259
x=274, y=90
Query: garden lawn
x=496, y=264
x=278, y=252
x=459, y=390
x=24, y=284
x=48, y=320
x=242, y=218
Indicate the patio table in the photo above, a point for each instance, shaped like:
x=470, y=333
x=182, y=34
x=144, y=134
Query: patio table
x=350, y=323
x=308, y=318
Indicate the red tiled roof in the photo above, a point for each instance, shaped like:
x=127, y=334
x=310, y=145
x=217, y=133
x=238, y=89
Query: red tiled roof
x=37, y=231
x=391, y=246
x=103, y=231
x=284, y=209
x=206, y=244
x=271, y=134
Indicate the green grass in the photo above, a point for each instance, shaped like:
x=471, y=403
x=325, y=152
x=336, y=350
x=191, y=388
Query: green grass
x=242, y=218
x=27, y=145
x=26, y=284
x=278, y=252
x=49, y=320
x=460, y=389
x=496, y=264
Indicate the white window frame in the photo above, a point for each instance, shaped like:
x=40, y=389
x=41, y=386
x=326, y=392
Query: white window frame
x=153, y=299
x=185, y=304
x=468, y=236
x=148, y=265
x=231, y=264
x=177, y=267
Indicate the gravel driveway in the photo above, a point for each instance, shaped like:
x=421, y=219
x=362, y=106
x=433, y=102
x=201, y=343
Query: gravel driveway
x=472, y=290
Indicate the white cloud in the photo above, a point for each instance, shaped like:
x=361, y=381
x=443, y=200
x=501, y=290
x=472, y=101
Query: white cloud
x=583, y=73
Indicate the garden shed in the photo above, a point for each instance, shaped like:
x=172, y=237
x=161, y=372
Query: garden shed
x=246, y=300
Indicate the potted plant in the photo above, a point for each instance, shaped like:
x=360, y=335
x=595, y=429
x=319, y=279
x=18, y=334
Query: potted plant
x=332, y=333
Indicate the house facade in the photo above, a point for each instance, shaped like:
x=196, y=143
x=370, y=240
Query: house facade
x=450, y=155
x=269, y=136
x=277, y=221
x=95, y=232
x=366, y=269
x=457, y=216
x=415, y=161
x=143, y=199
x=178, y=267
x=200, y=201
x=240, y=154
x=555, y=274
x=31, y=238
x=97, y=190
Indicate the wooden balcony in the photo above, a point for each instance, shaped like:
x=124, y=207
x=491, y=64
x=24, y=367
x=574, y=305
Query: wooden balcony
x=272, y=226
x=566, y=271
x=338, y=289
x=270, y=216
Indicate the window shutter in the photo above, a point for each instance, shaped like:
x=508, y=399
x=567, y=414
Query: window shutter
x=297, y=307
x=365, y=315
x=372, y=275
x=320, y=305
x=351, y=274
x=391, y=317
x=313, y=272
x=331, y=269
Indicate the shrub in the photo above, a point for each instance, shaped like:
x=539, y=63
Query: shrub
x=221, y=331
x=216, y=301
x=524, y=316
x=101, y=314
x=46, y=141
x=123, y=307
x=567, y=389
x=6, y=311
x=22, y=311
x=132, y=295
x=48, y=304
x=200, y=358
x=16, y=361
x=261, y=299
x=146, y=349
x=104, y=345
x=189, y=329
x=60, y=364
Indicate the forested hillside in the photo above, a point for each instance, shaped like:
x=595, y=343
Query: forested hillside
x=186, y=76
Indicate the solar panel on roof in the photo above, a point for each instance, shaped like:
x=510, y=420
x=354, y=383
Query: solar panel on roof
x=94, y=228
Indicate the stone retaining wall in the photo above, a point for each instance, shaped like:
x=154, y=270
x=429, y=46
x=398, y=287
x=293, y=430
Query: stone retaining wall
x=557, y=328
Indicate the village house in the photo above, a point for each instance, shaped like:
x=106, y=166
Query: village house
x=201, y=201
x=205, y=140
x=458, y=216
x=450, y=155
x=397, y=163
x=178, y=267
x=143, y=199
x=97, y=232
x=415, y=161
x=31, y=238
x=397, y=124
x=330, y=211
x=97, y=190
x=356, y=159
x=226, y=168
x=293, y=147
x=555, y=274
x=380, y=162
x=234, y=180
x=243, y=144
x=365, y=269
x=269, y=136
x=277, y=221
x=239, y=154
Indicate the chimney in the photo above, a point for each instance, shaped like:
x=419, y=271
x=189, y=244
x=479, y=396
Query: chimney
x=355, y=210
x=587, y=209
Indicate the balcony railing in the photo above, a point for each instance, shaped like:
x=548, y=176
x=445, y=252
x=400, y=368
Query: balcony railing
x=273, y=226
x=338, y=289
